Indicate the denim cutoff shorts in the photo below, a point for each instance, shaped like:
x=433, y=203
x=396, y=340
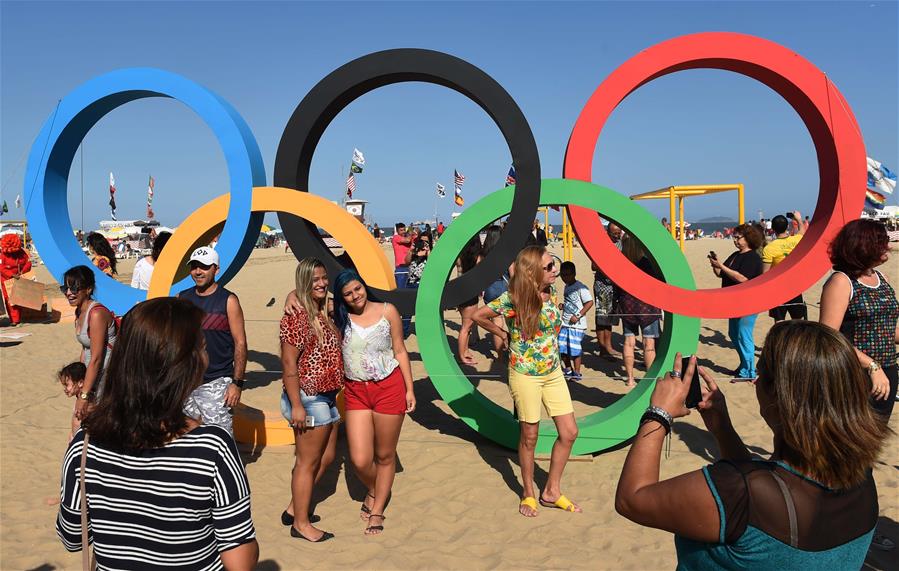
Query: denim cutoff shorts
x=322, y=407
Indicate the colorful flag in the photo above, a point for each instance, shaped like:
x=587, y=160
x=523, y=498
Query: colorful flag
x=441, y=190
x=354, y=168
x=881, y=183
x=350, y=185
x=510, y=178
x=459, y=179
x=112, y=196
x=150, y=187
x=4, y=209
x=358, y=158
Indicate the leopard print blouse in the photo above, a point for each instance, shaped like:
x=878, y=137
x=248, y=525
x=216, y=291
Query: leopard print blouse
x=320, y=365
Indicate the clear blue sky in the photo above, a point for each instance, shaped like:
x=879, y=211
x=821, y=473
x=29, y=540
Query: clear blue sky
x=687, y=128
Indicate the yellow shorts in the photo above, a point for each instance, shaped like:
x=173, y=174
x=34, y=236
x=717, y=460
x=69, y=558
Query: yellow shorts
x=529, y=391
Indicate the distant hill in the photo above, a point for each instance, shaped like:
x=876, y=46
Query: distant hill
x=717, y=219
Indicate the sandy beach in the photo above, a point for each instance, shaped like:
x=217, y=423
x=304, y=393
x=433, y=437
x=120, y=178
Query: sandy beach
x=455, y=498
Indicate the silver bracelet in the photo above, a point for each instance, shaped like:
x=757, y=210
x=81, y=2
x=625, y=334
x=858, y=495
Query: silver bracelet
x=661, y=412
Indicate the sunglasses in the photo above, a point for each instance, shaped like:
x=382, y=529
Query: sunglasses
x=549, y=267
x=67, y=288
x=737, y=236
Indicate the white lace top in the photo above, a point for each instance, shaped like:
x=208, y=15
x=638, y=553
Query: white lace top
x=368, y=351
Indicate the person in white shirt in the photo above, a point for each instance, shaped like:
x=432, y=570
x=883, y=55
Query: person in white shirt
x=578, y=302
x=143, y=269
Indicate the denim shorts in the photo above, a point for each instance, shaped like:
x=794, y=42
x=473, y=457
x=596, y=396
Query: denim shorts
x=322, y=407
x=652, y=330
x=494, y=290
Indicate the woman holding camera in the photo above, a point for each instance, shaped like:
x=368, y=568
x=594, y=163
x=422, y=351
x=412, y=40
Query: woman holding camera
x=160, y=490
x=811, y=505
x=741, y=266
x=313, y=374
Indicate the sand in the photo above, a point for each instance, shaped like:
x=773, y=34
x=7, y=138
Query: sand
x=455, y=498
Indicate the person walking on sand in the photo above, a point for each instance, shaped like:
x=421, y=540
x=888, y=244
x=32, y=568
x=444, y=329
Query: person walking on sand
x=378, y=391
x=226, y=342
x=535, y=370
x=578, y=302
x=313, y=374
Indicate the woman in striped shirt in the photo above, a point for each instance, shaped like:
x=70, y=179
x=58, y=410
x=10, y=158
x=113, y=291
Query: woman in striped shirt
x=161, y=490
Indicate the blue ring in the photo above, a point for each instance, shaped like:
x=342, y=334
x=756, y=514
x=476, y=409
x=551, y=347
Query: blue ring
x=46, y=177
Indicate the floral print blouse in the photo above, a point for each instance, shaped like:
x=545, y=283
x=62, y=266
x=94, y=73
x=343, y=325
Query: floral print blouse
x=537, y=356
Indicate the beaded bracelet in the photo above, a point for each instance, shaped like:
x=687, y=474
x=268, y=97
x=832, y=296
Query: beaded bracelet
x=663, y=417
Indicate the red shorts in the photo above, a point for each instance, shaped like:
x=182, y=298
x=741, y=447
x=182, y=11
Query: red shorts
x=387, y=396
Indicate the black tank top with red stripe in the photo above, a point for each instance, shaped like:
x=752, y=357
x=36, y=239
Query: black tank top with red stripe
x=219, y=342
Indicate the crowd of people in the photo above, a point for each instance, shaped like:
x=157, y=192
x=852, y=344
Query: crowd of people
x=152, y=448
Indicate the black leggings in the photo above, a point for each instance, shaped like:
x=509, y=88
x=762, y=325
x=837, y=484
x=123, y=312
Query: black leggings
x=885, y=407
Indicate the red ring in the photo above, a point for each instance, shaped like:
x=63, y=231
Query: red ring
x=831, y=124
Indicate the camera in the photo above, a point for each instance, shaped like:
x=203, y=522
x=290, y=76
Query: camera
x=790, y=216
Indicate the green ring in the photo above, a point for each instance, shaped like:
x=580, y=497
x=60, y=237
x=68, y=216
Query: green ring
x=600, y=430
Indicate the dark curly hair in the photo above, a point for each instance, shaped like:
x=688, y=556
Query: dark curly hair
x=754, y=237
x=157, y=361
x=859, y=246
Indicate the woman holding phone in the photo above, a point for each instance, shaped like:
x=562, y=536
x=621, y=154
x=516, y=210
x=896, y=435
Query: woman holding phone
x=811, y=505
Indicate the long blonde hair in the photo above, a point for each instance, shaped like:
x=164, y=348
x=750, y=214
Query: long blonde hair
x=821, y=393
x=525, y=286
x=303, y=281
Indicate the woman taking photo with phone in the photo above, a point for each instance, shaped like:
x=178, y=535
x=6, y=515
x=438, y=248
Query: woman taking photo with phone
x=161, y=491
x=811, y=505
x=742, y=265
x=378, y=391
x=313, y=374
x=535, y=370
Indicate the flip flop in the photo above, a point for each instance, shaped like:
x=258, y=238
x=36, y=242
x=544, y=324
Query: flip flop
x=563, y=503
x=530, y=502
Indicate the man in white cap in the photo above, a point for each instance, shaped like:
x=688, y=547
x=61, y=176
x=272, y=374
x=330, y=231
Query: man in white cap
x=226, y=342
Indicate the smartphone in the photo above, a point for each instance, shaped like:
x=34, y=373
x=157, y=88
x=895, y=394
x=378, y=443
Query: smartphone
x=310, y=421
x=789, y=215
x=695, y=393
x=713, y=255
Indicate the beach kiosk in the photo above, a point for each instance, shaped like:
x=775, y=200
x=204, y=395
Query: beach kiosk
x=679, y=193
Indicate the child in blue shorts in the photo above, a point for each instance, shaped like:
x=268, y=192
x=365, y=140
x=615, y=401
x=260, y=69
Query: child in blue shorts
x=578, y=301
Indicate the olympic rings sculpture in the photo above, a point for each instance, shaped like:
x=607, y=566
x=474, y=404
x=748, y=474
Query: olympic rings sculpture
x=834, y=130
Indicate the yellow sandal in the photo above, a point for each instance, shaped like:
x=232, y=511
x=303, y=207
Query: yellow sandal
x=563, y=503
x=530, y=502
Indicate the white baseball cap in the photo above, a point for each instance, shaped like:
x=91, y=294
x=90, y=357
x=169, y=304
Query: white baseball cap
x=205, y=255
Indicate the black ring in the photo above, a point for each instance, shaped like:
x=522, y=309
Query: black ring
x=356, y=78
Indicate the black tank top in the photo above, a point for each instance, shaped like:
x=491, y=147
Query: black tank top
x=219, y=342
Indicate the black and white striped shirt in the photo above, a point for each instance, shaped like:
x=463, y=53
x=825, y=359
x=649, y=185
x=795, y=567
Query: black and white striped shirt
x=175, y=507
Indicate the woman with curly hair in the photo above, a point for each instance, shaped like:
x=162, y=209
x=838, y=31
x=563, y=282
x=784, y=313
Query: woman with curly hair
x=741, y=266
x=535, y=370
x=858, y=301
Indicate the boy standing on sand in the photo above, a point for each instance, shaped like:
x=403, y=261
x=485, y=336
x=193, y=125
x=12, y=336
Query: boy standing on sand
x=578, y=302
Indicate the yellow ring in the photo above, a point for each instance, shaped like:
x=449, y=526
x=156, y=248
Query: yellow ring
x=253, y=426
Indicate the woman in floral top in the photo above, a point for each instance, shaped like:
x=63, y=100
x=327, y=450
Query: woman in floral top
x=535, y=372
x=313, y=374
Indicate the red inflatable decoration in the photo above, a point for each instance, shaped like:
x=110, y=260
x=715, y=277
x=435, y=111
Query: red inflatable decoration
x=834, y=131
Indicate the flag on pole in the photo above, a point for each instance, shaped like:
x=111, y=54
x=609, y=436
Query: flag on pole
x=459, y=180
x=354, y=168
x=350, y=185
x=112, y=196
x=441, y=190
x=358, y=159
x=510, y=178
x=881, y=183
x=4, y=209
x=18, y=201
x=150, y=187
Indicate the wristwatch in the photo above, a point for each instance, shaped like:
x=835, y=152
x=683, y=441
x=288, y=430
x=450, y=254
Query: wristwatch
x=873, y=367
x=84, y=396
x=238, y=383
